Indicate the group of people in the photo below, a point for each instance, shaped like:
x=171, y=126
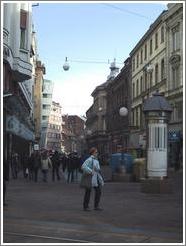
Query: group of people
x=88, y=166
x=45, y=161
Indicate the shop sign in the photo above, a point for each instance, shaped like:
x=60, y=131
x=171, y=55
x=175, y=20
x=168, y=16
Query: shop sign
x=174, y=136
x=14, y=126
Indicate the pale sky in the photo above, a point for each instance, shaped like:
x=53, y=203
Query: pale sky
x=87, y=31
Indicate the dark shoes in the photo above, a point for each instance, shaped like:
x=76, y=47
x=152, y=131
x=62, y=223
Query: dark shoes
x=87, y=209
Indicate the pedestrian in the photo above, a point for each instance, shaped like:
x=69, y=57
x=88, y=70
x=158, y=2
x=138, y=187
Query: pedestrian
x=14, y=165
x=91, y=167
x=55, y=165
x=5, y=179
x=70, y=169
x=36, y=162
x=45, y=165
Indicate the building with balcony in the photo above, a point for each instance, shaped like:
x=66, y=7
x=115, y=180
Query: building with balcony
x=54, y=127
x=18, y=70
x=46, y=106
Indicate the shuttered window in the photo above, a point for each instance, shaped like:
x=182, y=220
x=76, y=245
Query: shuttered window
x=23, y=19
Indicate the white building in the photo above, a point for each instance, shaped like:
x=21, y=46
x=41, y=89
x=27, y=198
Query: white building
x=17, y=77
x=48, y=86
x=54, y=131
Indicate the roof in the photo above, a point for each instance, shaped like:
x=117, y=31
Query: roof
x=148, y=33
x=157, y=103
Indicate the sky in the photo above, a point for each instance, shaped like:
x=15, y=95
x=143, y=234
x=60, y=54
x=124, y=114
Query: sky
x=91, y=32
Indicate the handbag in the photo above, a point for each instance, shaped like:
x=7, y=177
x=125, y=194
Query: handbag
x=86, y=181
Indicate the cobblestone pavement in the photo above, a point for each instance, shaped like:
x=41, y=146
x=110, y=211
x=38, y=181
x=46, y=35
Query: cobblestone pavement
x=52, y=213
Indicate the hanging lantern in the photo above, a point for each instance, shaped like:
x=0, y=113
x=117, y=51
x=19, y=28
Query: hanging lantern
x=66, y=65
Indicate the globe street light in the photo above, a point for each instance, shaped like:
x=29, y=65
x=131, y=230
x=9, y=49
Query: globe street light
x=123, y=111
x=66, y=65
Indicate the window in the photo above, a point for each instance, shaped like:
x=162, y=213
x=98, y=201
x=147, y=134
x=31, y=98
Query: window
x=151, y=74
x=137, y=61
x=175, y=38
x=145, y=81
x=137, y=119
x=141, y=83
x=141, y=56
x=133, y=65
x=133, y=90
x=150, y=46
x=46, y=106
x=23, y=26
x=156, y=40
x=179, y=110
x=145, y=52
x=137, y=87
x=45, y=95
x=162, y=69
x=44, y=117
x=175, y=77
x=156, y=73
x=162, y=34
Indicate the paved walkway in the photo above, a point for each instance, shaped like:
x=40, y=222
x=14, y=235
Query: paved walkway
x=52, y=213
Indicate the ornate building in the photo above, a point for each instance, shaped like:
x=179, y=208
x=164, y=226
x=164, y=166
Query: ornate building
x=118, y=96
x=174, y=92
x=148, y=74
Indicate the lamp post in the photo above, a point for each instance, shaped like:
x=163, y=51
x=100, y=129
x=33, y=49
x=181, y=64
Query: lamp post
x=157, y=114
x=123, y=111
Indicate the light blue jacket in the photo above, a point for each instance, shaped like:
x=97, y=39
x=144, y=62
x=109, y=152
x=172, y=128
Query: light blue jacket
x=91, y=166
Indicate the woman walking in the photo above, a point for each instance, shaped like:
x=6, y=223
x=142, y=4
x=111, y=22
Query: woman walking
x=91, y=167
x=45, y=165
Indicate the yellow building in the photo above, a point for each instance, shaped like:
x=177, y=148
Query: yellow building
x=38, y=88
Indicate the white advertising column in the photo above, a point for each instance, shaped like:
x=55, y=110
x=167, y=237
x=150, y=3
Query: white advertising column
x=157, y=150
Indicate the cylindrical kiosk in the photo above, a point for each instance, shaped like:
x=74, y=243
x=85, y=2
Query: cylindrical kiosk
x=157, y=114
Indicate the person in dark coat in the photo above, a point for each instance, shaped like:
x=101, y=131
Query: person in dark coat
x=36, y=162
x=14, y=165
x=5, y=179
x=70, y=169
x=55, y=165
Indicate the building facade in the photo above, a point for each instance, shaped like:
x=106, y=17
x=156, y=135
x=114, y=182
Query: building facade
x=18, y=127
x=46, y=104
x=38, y=90
x=73, y=134
x=174, y=92
x=118, y=96
x=96, y=123
x=148, y=75
x=54, y=128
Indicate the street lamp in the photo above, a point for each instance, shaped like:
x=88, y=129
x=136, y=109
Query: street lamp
x=123, y=111
x=66, y=65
